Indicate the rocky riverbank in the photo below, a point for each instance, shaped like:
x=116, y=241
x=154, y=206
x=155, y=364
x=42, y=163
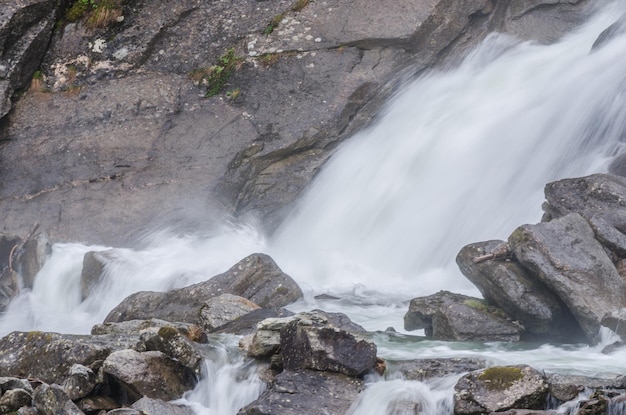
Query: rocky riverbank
x=150, y=348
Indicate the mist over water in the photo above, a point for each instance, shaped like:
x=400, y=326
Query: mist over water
x=458, y=156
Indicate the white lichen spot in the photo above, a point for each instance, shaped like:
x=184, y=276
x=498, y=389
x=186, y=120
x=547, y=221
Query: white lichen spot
x=119, y=19
x=307, y=29
x=253, y=53
x=313, y=53
x=120, y=54
x=308, y=37
x=318, y=39
x=311, y=65
x=98, y=45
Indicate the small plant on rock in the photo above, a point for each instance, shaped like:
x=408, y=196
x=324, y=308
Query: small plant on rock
x=216, y=76
x=273, y=24
x=98, y=13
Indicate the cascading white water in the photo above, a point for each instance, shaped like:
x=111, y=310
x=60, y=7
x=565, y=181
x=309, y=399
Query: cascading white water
x=459, y=156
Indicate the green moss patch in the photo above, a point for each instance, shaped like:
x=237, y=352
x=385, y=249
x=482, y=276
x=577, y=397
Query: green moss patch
x=500, y=377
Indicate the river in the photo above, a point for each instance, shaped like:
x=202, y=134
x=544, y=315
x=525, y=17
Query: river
x=457, y=156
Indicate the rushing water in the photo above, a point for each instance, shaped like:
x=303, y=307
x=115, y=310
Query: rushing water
x=459, y=156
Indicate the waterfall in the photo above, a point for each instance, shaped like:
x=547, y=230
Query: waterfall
x=458, y=156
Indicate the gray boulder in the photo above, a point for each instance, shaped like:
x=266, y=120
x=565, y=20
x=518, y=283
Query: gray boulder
x=588, y=196
x=256, y=278
x=93, y=270
x=14, y=399
x=50, y=356
x=151, y=374
x=306, y=392
x=97, y=403
x=310, y=340
x=514, y=289
x=500, y=388
x=325, y=348
x=448, y=316
x=616, y=321
x=566, y=257
x=52, y=400
x=80, y=382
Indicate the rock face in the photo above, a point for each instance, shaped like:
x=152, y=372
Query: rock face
x=256, y=278
x=449, y=316
x=115, y=130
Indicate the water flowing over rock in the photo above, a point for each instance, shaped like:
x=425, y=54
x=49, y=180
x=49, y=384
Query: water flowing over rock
x=256, y=278
x=500, y=388
x=424, y=369
x=449, y=316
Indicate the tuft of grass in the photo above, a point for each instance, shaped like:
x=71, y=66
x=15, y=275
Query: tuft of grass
x=98, y=13
x=233, y=94
x=273, y=24
x=298, y=5
x=215, y=77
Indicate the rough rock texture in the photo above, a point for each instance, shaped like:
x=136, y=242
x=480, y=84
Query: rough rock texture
x=116, y=135
x=80, y=382
x=500, y=388
x=92, y=273
x=567, y=387
x=25, y=30
x=325, y=348
x=256, y=278
x=224, y=308
x=306, y=392
x=52, y=400
x=138, y=327
x=49, y=356
x=424, y=369
x=510, y=286
x=169, y=341
x=565, y=256
x=448, y=316
x=149, y=406
x=151, y=374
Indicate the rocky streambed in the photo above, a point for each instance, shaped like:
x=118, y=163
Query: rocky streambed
x=556, y=281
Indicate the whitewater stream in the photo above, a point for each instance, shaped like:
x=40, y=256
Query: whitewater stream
x=458, y=156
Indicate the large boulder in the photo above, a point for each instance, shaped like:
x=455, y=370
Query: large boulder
x=116, y=132
x=152, y=374
x=52, y=400
x=306, y=392
x=313, y=340
x=50, y=356
x=566, y=257
x=256, y=278
x=515, y=290
x=499, y=388
x=448, y=316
